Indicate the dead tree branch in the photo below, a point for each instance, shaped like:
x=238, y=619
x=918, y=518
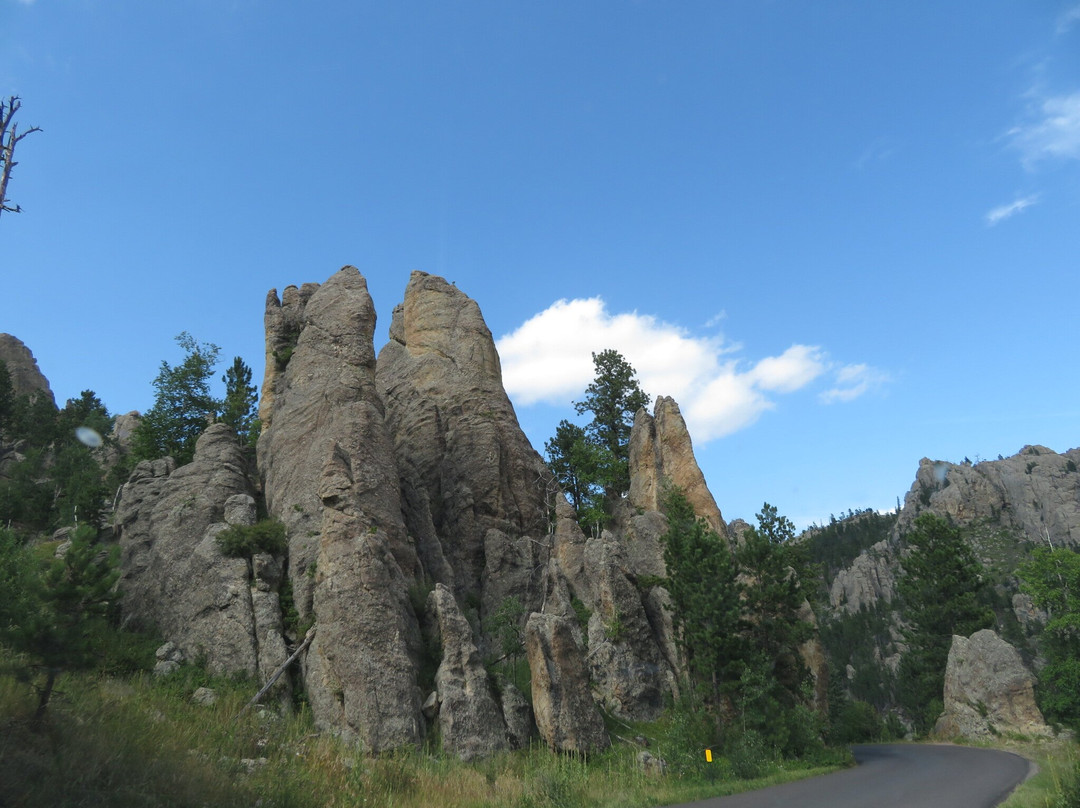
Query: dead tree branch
x=9, y=138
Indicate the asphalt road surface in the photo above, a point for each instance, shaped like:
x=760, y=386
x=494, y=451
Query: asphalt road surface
x=897, y=776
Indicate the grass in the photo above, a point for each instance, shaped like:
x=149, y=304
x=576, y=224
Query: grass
x=136, y=740
x=1055, y=784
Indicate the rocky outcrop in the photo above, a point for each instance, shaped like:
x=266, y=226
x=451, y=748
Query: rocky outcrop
x=988, y=690
x=26, y=378
x=408, y=474
x=470, y=721
x=1035, y=492
x=361, y=670
x=465, y=466
x=174, y=577
x=871, y=579
x=627, y=665
x=565, y=712
x=662, y=454
x=329, y=474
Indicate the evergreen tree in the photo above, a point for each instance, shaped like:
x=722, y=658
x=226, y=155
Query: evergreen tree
x=944, y=593
x=1052, y=578
x=706, y=598
x=613, y=397
x=591, y=463
x=55, y=611
x=581, y=466
x=241, y=402
x=183, y=404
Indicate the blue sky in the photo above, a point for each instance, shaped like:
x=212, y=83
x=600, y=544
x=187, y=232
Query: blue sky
x=843, y=235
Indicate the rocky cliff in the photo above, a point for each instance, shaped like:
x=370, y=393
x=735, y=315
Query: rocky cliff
x=1036, y=493
x=174, y=577
x=26, y=377
x=423, y=528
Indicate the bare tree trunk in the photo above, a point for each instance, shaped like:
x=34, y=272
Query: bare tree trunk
x=9, y=137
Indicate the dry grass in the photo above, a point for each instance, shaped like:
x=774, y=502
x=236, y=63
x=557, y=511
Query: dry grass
x=137, y=741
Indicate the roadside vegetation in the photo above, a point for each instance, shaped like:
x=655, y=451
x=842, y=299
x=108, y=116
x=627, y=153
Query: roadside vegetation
x=138, y=740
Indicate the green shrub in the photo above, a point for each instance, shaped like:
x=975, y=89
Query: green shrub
x=244, y=541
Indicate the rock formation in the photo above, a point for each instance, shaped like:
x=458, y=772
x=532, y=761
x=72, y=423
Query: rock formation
x=566, y=714
x=661, y=454
x=174, y=577
x=1035, y=492
x=870, y=579
x=988, y=690
x=327, y=462
x=465, y=466
x=470, y=721
x=26, y=377
x=415, y=510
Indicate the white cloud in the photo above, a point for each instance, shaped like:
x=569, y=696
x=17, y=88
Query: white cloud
x=549, y=359
x=852, y=381
x=1054, y=133
x=1068, y=19
x=794, y=368
x=1003, y=212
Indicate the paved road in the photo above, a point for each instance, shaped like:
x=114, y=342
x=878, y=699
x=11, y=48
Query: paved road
x=898, y=776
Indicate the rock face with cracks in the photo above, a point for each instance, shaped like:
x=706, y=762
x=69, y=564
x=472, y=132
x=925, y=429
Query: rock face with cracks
x=26, y=378
x=988, y=690
x=326, y=459
x=566, y=714
x=470, y=720
x=174, y=577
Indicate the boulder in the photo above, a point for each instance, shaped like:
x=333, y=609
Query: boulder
x=471, y=723
x=870, y=579
x=988, y=690
x=565, y=712
x=361, y=669
x=626, y=663
x=518, y=715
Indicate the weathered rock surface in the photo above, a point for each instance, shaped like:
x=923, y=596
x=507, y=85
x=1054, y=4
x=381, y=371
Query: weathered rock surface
x=26, y=377
x=361, y=670
x=329, y=474
x=565, y=712
x=470, y=721
x=661, y=453
x=1036, y=492
x=406, y=472
x=988, y=690
x=626, y=663
x=870, y=579
x=172, y=574
x=465, y=466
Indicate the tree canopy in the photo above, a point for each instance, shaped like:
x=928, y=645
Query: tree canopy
x=591, y=463
x=1052, y=577
x=945, y=593
x=183, y=404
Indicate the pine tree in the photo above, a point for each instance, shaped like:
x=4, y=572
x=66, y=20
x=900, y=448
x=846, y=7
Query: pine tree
x=706, y=598
x=54, y=613
x=241, y=402
x=183, y=405
x=613, y=398
x=1052, y=578
x=945, y=593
